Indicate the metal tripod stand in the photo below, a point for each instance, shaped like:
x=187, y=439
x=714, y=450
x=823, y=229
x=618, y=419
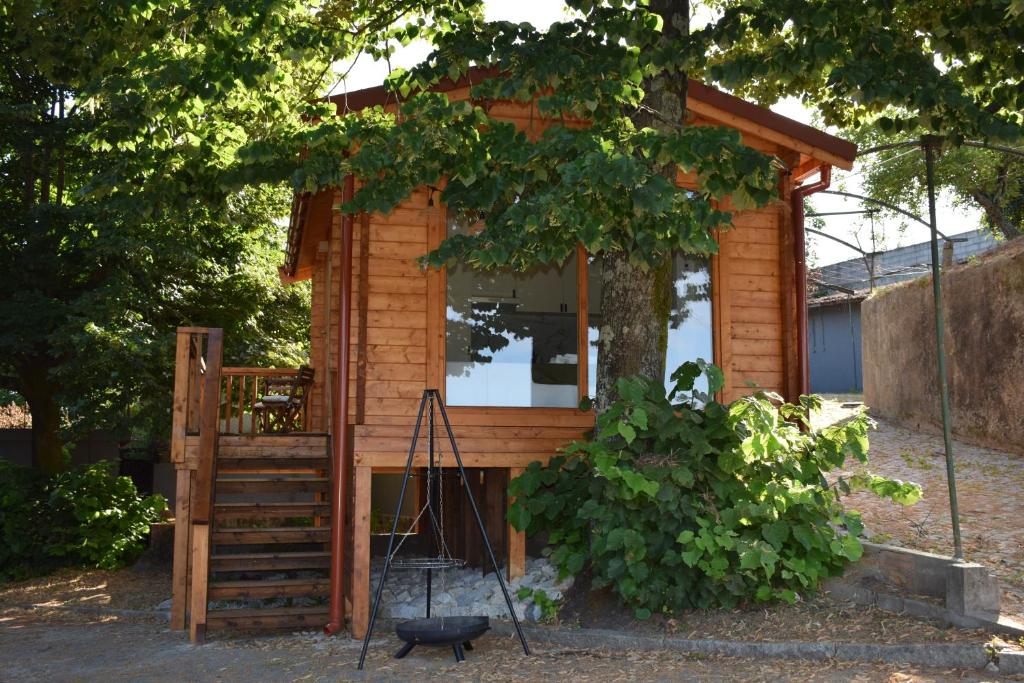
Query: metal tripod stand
x=432, y=399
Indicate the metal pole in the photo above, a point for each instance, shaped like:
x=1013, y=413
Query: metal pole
x=929, y=143
x=394, y=532
x=480, y=522
x=431, y=484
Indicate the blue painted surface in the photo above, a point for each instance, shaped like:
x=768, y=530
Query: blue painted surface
x=833, y=343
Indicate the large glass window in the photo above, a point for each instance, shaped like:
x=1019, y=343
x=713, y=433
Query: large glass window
x=511, y=338
x=690, y=330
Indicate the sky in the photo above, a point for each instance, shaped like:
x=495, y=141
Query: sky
x=822, y=251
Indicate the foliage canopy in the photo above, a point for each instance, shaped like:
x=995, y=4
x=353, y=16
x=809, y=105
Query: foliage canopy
x=137, y=132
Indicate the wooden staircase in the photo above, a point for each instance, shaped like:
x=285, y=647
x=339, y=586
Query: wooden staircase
x=269, y=547
x=252, y=518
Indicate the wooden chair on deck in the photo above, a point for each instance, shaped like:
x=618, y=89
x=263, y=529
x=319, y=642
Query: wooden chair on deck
x=282, y=407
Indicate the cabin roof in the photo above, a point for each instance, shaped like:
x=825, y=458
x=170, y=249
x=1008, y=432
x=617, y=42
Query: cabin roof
x=815, y=147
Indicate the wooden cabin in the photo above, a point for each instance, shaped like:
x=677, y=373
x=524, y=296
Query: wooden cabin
x=385, y=330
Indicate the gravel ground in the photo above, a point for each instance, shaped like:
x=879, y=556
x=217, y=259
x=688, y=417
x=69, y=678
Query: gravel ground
x=990, y=492
x=87, y=596
x=96, y=651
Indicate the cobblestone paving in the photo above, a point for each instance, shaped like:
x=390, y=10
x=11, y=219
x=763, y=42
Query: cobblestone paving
x=990, y=487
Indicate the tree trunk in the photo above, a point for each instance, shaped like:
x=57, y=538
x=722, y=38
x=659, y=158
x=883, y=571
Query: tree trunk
x=636, y=301
x=41, y=394
x=634, y=329
x=996, y=216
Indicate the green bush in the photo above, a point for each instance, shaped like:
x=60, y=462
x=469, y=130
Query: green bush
x=680, y=501
x=84, y=517
x=24, y=527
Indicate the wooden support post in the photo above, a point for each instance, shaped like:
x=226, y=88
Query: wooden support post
x=183, y=373
x=201, y=495
x=182, y=549
x=200, y=577
x=516, y=540
x=195, y=391
x=495, y=506
x=361, y=553
x=472, y=541
x=179, y=409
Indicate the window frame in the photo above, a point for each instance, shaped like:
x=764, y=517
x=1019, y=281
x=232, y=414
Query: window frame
x=437, y=292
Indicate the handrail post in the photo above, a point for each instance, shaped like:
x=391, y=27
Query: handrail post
x=202, y=500
x=182, y=521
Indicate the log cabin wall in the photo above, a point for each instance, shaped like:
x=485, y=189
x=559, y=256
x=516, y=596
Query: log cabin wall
x=398, y=325
x=324, y=320
x=398, y=347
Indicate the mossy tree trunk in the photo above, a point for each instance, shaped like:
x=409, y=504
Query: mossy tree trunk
x=636, y=299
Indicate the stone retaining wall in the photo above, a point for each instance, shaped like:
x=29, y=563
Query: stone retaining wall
x=984, y=309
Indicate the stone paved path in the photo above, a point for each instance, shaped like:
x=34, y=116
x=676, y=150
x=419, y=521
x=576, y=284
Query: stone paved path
x=990, y=486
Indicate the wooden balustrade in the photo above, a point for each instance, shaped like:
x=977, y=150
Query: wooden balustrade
x=241, y=389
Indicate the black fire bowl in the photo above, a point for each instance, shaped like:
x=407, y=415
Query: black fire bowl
x=458, y=632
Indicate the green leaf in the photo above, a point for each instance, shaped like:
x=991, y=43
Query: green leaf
x=519, y=517
x=627, y=432
x=776, y=533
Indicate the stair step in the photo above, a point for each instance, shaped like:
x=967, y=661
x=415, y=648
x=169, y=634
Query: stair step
x=242, y=562
x=274, y=463
x=285, y=534
x=283, y=588
x=273, y=485
x=260, y=445
x=224, y=511
x=283, y=617
x=313, y=451
x=274, y=440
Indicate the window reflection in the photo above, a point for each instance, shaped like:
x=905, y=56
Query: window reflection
x=690, y=331
x=511, y=338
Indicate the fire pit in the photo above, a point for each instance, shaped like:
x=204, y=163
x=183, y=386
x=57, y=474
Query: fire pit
x=439, y=631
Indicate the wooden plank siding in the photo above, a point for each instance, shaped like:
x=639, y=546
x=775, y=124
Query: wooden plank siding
x=398, y=326
x=398, y=338
x=751, y=261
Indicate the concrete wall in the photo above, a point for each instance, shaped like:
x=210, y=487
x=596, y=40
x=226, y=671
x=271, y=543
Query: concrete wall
x=984, y=309
x=834, y=347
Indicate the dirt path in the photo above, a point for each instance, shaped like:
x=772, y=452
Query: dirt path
x=990, y=487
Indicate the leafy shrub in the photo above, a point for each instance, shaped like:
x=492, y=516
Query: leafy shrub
x=680, y=501
x=102, y=521
x=87, y=516
x=23, y=522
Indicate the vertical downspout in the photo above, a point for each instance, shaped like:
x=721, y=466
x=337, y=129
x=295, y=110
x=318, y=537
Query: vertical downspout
x=800, y=255
x=341, y=436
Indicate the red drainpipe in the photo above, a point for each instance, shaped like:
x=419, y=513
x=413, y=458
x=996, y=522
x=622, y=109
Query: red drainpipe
x=341, y=455
x=800, y=254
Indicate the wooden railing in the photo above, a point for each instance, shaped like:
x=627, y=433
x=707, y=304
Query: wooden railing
x=241, y=389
